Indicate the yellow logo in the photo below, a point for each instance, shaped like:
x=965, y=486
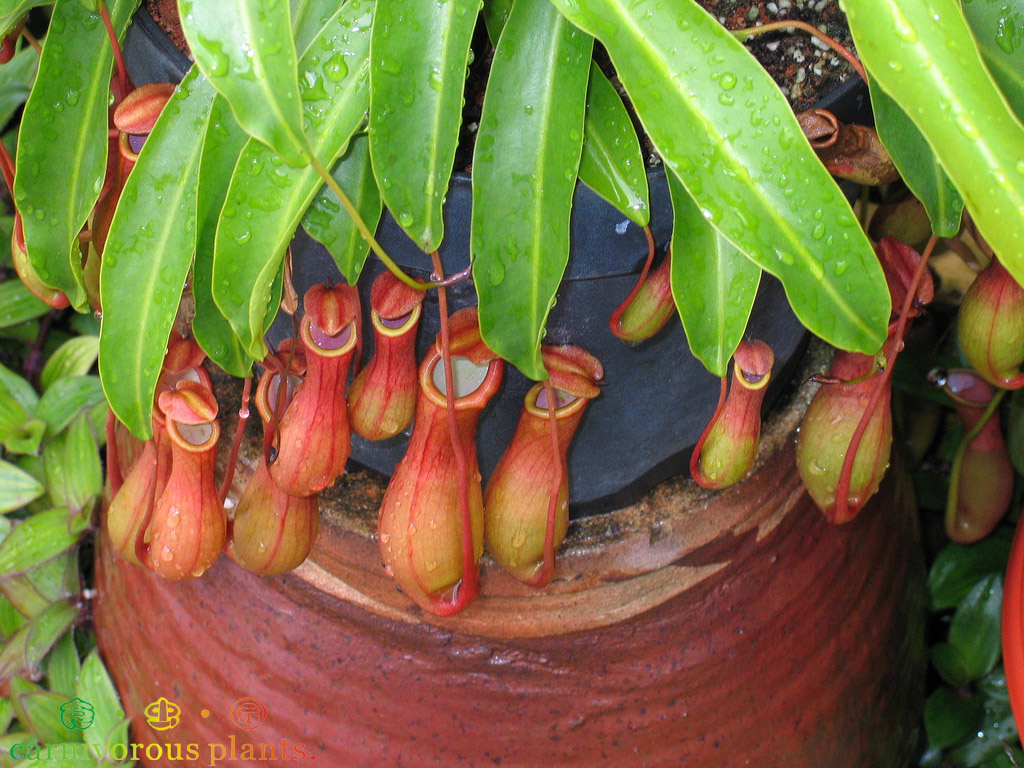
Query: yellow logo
x=162, y=714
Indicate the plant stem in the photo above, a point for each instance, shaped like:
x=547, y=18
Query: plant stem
x=835, y=45
x=122, y=71
x=243, y=419
x=953, y=495
x=31, y=40
x=367, y=235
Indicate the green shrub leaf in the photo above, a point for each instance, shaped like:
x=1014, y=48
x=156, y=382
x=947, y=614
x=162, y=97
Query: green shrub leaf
x=17, y=487
x=917, y=163
x=73, y=473
x=922, y=54
x=16, y=78
x=997, y=27
x=950, y=717
x=95, y=686
x=525, y=165
x=221, y=147
x=11, y=12
x=150, y=246
x=267, y=198
x=39, y=711
x=69, y=396
x=72, y=358
x=950, y=663
x=62, y=151
x=714, y=285
x=40, y=538
x=959, y=567
x=612, y=164
x=327, y=222
x=18, y=304
x=975, y=630
x=35, y=589
x=723, y=126
x=62, y=666
x=245, y=49
x=25, y=651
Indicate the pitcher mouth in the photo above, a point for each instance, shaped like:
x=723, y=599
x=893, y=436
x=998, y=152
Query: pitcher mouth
x=195, y=438
x=267, y=392
x=325, y=345
x=483, y=382
x=398, y=326
x=536, y=402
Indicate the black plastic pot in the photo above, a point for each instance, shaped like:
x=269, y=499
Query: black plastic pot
x=657, y=397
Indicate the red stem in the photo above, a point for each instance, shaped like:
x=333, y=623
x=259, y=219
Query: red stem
x=469, y=586
x=617, y=314
x=243, y=419
x=835, y=45
x=846, y=473
x=122, y=72
x=695, y=471
x=31, y=40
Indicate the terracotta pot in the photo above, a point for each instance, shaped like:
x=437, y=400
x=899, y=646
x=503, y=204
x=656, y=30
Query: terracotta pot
x=693, y=628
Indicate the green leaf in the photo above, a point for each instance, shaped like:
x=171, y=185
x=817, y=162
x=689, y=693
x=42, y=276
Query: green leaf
x=73, y=358
x=62, y=147
x=34, y=590
x=95, y=686
x=951, y=665
x=418, y=58
x=495, y=13
x=17, y=487
x=25, y=438
x=998, y=26
x=63, y=666
x=958, y=568
x=18, y=304
x=39, y=711
x=329, y=223
x=150, y=246
x=6, y=715
x=941, y=82
x=11, y=12
x=975, y=630
x=245, y=49
x=73, y=472
x=40, y=538
x=68, y=397
x=266, y=199
x=722, y=125
x=612, y=164
x=308, y=18
x=221, y=147
x=950, y=717
x=997, y=725
x=25, y=651
x=18, y=388
x=10, y=619
x=525, y=165
x=917, y=163
x=16, y=78
x=714, y=285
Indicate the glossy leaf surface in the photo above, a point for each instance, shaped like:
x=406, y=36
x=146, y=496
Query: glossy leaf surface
x=245, y=49
x=612, y=164
x=11, y=12
x=72, y=358
x=16, y=78
x=150, y=247
x=998, y=27
x=419, y=53
x=922, y=54
x=62, y=151
x=327, y=222
x=524, y=173
x=267, y=198
x=917, y=164
x=725, y=129
x=17, y=304
x=714, y=285
x=39, y=538
x=221, y=147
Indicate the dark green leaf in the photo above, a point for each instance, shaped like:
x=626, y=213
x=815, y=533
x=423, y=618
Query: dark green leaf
x=63, y=666
x=245, y=49
x=418, y=59
x=975, y=631
x=958, y=568
x=951, y=665
x=150, y=247
x=17, y=487
x=713, y=283
x=68, y=397
x=266, y=199
x=950, y=717
x=495, y=13
x=997, y=725
x=40, y=538
x=73, y=473
x=73, y=358
x=17, y=304
x=917, y=163
x=927, y=61
x=525, y=165
x=612, y=164
x=16, y=78
x=221, y=147
x=26, y=332
x=723, y=126
x=11, y=12
x=95, y=686
x=62, y=151
x=998, y=27
x=329, y=223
